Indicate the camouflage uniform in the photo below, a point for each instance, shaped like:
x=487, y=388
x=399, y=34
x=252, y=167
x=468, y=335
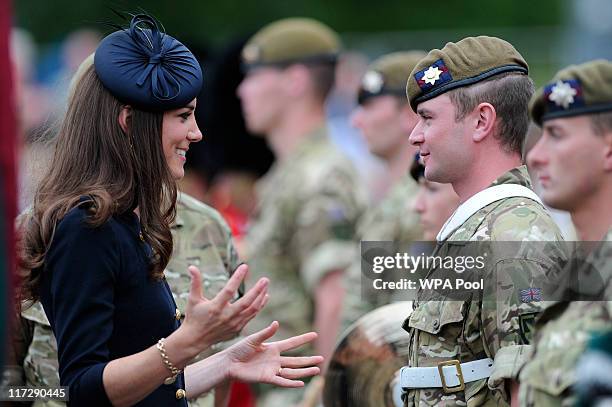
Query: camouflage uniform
x=302, y=229
x=490, y=327
x=562, y=333
x=201, y=238
x=392, y=219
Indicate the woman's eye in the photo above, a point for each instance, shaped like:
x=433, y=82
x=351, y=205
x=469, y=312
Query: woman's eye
x=185, y=116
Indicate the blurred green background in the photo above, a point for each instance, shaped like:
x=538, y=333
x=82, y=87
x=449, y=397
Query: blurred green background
x=374, y=27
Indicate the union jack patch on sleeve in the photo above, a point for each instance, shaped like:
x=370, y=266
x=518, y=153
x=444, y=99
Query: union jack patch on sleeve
x=531, y=294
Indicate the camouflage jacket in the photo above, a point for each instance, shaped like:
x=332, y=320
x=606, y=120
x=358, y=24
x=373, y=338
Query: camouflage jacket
x=496, y=322
x=201, y=237
x=562, y=333
x=303, y=228
x=393, y=219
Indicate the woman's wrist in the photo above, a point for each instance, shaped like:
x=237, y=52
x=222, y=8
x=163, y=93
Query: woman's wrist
x=182, y=347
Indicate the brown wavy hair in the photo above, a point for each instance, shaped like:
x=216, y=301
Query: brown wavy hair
x=117, y=171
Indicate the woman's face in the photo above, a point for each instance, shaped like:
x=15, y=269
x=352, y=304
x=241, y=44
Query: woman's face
x=179, y=129
x=435, y=203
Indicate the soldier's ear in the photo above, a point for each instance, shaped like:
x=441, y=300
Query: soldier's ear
x=297, y=79
x=483, y=119
x=608, y=152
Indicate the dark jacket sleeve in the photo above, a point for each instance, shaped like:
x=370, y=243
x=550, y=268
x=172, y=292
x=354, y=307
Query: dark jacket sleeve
x=80, y=271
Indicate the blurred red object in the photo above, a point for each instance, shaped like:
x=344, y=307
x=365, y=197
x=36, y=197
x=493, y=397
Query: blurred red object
x=8, y=190
x=241, y=395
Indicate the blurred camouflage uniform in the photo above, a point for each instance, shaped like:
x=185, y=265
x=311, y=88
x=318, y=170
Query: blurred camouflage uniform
x=562, y=333
x=201, y=237
x=303, y=229
x=552, y=377
x=393, y=218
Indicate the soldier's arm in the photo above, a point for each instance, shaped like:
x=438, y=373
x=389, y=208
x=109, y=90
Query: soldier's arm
x=21, y=338
x=324, y=242
x=329, y=295
x=508, y=316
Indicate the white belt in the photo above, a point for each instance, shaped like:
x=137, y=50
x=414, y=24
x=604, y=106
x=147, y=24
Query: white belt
x=450, y=375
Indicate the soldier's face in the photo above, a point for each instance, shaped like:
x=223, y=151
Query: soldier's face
x=442, y=141
x=434, y=203
x=570, y=161
x=384, y=123
x=179, y=129
x=262, y=97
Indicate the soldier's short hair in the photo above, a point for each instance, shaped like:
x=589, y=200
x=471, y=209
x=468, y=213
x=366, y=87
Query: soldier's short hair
x=323, y=78
x=509, y=94
x=601, y=123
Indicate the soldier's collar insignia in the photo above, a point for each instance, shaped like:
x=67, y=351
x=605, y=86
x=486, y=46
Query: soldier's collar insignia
x=372, y=82
x=433, y=76
x=564, y=94
x=251, y=53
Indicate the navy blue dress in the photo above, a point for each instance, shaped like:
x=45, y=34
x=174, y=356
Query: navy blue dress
x=102, y=304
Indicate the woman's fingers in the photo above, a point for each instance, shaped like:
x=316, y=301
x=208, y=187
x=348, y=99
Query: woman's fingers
x=260, y=287
x=300, y=361
x=282, y=382
x=295, y=341
x=261, y=336
x=289, y=373
x=255, y=307
x=195, y=291
x=229, y=290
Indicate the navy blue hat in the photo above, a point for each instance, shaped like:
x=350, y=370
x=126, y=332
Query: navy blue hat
x=146, y=68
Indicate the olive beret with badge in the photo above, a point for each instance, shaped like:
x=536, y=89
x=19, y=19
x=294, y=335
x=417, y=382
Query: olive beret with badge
x=464, y=63
x=575, y=90
x=289, y=41
x=387, y=75
x=143, y=66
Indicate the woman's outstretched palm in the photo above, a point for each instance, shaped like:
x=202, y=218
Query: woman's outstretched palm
x=253, y=360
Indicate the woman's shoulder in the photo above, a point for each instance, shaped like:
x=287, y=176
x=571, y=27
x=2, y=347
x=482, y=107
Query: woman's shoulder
x=80, y=221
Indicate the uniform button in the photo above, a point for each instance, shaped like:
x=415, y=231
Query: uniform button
x=436, y=324
x=177, y=314
x=180, y=394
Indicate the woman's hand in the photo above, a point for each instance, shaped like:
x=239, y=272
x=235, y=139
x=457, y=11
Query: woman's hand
x=252, y=360
x=210, y=321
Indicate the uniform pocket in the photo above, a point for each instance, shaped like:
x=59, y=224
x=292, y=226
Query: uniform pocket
x=551, y=373
x=432, y=316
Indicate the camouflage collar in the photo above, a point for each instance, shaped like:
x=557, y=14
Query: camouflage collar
x=312, y=139
x=518, y=175
x=514, y=183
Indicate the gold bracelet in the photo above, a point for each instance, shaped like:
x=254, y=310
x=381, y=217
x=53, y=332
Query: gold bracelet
x=161, y=346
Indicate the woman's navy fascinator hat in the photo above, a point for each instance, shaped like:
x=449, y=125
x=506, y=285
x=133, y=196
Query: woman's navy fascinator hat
x=144, y=67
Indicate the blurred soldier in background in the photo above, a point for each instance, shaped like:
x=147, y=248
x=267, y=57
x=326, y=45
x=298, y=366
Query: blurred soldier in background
x=309, y=202
x=573, y=160
x=472, y=98
x=386, y=120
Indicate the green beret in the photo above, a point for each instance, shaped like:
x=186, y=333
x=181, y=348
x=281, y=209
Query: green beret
x=464, y=63
x=575, y=90
x=387, y=75
x=291, y=40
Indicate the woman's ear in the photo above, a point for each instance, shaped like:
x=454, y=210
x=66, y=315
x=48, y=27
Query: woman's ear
x=124, y=118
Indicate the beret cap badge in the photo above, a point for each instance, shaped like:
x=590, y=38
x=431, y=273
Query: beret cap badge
x=434, y=75
x=372, y=82
x=251, y=53
x=562, y=94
